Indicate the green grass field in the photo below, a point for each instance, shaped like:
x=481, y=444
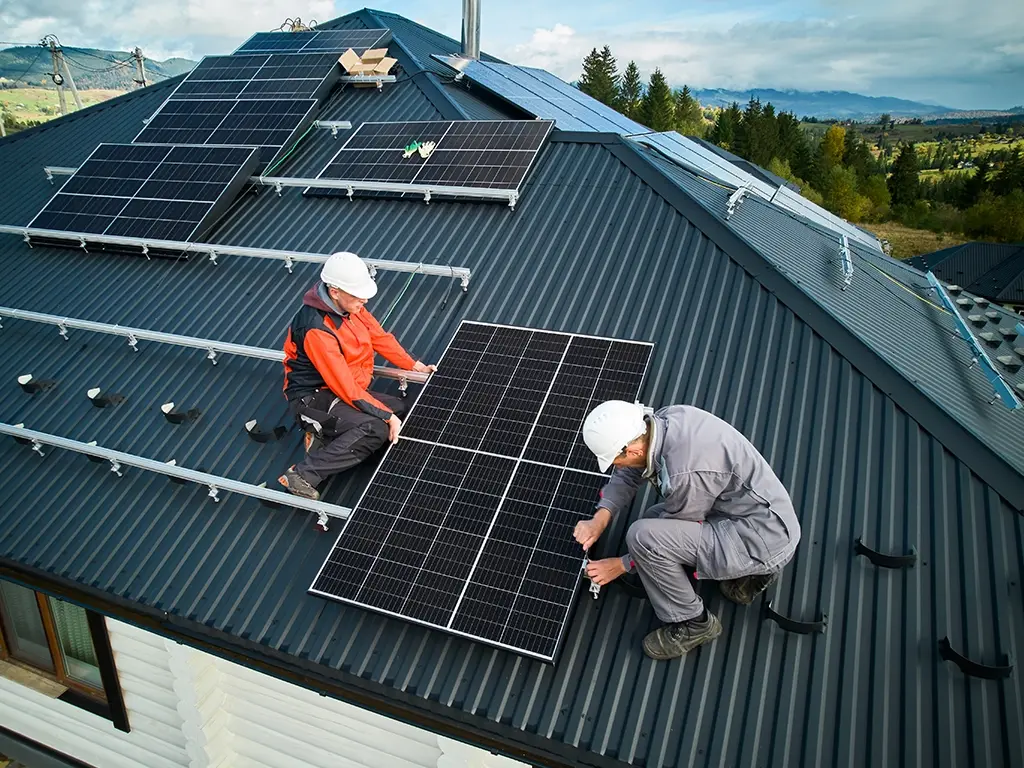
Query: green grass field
x=42, y=103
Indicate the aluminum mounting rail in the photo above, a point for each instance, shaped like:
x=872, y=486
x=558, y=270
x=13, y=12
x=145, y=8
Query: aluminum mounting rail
x=377, y=80
x=214, y=483
x=215, y=250
x=846, y=259
x=1003, y=390
x=211, y=347
x=511, y=196
x=333, y=125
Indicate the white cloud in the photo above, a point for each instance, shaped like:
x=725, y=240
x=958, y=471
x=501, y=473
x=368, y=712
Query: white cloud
x=191, y=28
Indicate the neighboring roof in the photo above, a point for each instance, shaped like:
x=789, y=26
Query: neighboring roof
x=749, y=321
x=992, y=270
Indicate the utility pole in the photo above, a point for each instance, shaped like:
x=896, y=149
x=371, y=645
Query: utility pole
x=140, y=67
x=55, y=75
x=70, y=79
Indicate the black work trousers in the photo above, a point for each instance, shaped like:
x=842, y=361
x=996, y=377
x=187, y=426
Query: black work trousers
x=349, y=436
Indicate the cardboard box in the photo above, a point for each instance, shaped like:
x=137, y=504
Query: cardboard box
x=349, y=59
x=374, y=55
x=384, y=66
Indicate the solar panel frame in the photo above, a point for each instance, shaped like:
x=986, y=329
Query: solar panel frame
x=320, y=40
x=181, y=190
x=495, y=155
x=254, y=76
x=552, y=562
x=270, y=125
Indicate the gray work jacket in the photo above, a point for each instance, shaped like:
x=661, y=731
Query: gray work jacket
x=706, y=471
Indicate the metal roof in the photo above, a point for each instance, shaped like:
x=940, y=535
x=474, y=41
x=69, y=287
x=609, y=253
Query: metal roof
x=605, y=240
x=992, y=270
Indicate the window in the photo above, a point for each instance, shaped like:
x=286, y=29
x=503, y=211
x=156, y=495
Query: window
x=64, y=643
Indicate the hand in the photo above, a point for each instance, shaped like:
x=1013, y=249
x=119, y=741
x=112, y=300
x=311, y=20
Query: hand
x=422, y=368
x=589, y=531
x=604, y=571
x=394, y=427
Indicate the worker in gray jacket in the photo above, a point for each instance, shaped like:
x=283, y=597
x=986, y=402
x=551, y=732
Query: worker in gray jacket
x=724, y=514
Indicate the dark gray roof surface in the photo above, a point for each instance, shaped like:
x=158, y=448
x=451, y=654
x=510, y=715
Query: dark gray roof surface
x=992, y=270
x=603, y=241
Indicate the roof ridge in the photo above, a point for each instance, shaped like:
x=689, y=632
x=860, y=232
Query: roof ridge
x=981, y=458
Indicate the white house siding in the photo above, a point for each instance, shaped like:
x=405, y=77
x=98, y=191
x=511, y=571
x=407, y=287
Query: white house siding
x=188, y=708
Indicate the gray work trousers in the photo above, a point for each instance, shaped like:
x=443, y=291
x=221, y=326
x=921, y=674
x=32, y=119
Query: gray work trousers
x=350, y=435
x=665, y=550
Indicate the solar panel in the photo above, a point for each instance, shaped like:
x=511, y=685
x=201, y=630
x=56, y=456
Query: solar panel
x=335, y=41
x=467, y=523
x=147, y=191
x=270, y=124
x=297, y=76
x=485, y=154
x=543, y=95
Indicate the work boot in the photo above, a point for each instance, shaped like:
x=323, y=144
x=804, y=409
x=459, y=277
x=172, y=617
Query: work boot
x=672, y=640
x=298, y=485
x=745, y=589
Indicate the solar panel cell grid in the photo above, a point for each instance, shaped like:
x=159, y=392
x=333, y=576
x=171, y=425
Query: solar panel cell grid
x=335, y=41
x=458, y=529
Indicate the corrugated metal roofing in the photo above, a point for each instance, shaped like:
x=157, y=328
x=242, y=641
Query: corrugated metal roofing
x=601, y=242
x=992, y=270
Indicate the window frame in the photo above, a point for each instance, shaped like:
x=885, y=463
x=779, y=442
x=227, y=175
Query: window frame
x=106, y=701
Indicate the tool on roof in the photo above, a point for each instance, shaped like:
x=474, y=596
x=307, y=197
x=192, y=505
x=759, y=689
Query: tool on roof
x=252, y=428
x=973, y=668
x=793, y=625
x=883, y=560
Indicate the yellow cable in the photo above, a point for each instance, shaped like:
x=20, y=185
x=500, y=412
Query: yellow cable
x=912, y=293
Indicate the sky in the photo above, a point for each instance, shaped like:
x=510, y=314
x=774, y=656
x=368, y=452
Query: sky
x=967, y=54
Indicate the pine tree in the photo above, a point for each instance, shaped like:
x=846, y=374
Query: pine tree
x=904, y=185
x=657, y=106
x=689, y=116
x=977, y=184
x=746, y=129
x=596, y=81
x=857, y=156
x=631, y=89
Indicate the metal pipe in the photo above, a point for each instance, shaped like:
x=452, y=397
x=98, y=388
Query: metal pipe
x=471, y=29
x=214, y=250
x=209, y=345
x=215, y=483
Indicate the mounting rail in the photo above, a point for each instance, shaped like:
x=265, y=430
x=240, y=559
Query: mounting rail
x=211, y=347
x=215, y=250
x=214, y=483
x=333, y=125
x=1002, y=389
x=846, y=259
x=429, y=191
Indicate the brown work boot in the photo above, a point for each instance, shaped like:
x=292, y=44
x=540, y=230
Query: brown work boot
x=298, y=485
x=672, y=640
x=743, y=590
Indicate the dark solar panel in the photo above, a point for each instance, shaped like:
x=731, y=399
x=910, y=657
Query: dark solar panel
x=335, y=41
x=494, y=154
x=460, y=528
x=146, y=191
x=296, y=76
x=270, y=124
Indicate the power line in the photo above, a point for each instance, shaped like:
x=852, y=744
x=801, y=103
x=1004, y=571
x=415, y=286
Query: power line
x=25, y=71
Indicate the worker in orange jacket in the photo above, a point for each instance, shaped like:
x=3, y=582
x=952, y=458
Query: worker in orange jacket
x=328, y=365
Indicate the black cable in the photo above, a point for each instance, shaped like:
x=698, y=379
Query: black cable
x=29, y=67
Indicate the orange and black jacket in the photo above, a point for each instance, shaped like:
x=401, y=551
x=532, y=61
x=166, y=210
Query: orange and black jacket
x=326, y=347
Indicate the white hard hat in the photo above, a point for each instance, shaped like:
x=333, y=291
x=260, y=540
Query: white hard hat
x=610, y=427
x=347, y=272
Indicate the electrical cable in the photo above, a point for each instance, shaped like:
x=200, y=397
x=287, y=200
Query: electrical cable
x=25, y=71
x=398, y=299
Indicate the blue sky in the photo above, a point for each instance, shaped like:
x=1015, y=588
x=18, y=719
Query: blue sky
x=952, y=52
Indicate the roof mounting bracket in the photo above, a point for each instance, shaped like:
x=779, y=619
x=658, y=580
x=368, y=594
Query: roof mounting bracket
x=214, y=492
x=83, y=245
x=513, y=198
x=145, y=251
x=133, y=342
x=996, y=379
x=289, y=264
x=883, y=560
x=62, y=329
x=211, y=355
x=278, y=188
x=252, y=428
x=38, y=447
x=973, y=668
x=213, y=257
x=792, y=625
x=49, y=174
x=115, y=467
x=735, y=199
x=847, y=260
x=426, y=196
x=27, y=238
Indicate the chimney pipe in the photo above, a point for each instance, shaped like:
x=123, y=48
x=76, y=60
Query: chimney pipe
x=471, y=29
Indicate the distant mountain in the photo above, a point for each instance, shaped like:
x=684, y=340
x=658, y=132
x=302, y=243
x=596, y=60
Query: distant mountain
x=840, y=105
x=92, y=68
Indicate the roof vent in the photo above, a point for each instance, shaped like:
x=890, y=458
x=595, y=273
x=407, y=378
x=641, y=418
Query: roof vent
x=954, y=289
x=964, y=303
x=981, y=302
x=1008, y=333
x=992, y=315
x=978, y=320
x=992, y=339
x=1011, y=363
